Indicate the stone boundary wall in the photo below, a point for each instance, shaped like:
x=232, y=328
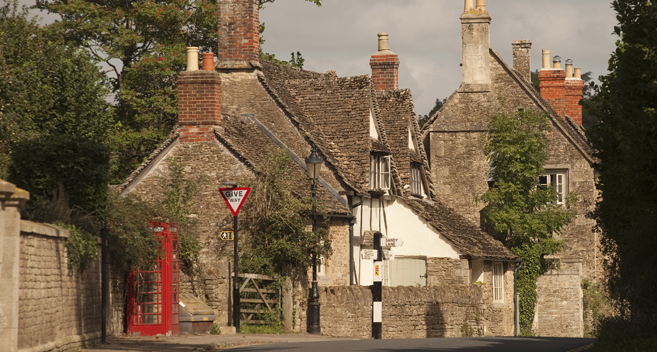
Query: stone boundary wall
x=408, y=312
x=59, y=310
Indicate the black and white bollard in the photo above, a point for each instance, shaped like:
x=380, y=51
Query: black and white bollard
x=377, y=306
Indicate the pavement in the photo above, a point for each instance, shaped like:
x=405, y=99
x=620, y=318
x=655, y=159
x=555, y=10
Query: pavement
x=203, y=342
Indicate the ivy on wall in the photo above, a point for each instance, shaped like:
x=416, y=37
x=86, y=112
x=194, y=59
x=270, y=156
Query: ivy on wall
x=523, y=214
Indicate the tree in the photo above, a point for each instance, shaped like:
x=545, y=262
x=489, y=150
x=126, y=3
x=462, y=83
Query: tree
x=143, y=45
x=276, y=220
x=422, y=119
x=523, y=215
x=625, y=140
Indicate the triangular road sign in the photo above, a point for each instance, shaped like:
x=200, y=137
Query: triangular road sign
x=234, y=197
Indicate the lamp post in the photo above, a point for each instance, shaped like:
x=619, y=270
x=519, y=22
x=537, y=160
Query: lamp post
x=313, y=166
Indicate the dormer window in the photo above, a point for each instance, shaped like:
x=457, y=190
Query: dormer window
x=416, y=180
x=379, y=171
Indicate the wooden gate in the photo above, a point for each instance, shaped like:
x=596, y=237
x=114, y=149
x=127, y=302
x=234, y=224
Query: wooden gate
x=259, y=295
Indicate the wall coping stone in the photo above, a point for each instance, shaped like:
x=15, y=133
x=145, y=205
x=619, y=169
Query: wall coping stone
x=43, y=229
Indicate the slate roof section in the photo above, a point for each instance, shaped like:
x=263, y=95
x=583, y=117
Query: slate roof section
x=398, y=117
x=468, y=238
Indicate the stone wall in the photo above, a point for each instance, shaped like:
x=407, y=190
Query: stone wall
x=559, y=310
x=447, y=272
x=60, y=309
x=408, y=312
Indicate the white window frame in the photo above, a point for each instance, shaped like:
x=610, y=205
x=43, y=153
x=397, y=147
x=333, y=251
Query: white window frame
x=558, y=180
x=416, y=180
x=379, y=172
x=498, y=282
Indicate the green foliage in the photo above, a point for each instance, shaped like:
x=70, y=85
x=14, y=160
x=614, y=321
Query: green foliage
x=523, y=215
x=77, y=164
x=597, y=306
x=216, y=329
x=277, y=220
x=616, y=335
x=81, y=247
x=422, y=119
x=178, y=201
x=262, y=329
x=626, y=147
x=47, y=88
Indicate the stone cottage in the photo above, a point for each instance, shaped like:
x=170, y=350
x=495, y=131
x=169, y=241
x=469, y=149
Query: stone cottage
x=377, y=175
x=452, y=138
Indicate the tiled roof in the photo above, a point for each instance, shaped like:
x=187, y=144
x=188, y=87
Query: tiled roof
x=468, y=238
x=398, y=117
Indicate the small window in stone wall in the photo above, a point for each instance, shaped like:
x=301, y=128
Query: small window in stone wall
x=498, y=282
x=558, y=181
x=416, y=180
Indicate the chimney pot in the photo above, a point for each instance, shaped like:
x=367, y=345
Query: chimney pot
x=383, y=42
x=569, y=68
x=546, y=58
x=192, y=58
x=556, y=61
x=468, y=6
x=481, y=5
x=578, y=73
x=208, y=62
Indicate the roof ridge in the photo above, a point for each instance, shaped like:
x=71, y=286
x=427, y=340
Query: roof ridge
x=172, y=137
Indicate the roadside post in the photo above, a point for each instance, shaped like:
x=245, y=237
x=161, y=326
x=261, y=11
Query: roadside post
x=377, y=306
x=378, y=254
x=234, y=198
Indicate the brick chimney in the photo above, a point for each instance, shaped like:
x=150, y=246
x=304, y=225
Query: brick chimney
x=574, y=91
x=238, y=34
x=522, y=58
x=475, y=31
x=385, y=66
x=552, y=82
x=199, y=99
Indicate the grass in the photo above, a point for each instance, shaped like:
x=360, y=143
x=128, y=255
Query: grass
x=262, y=329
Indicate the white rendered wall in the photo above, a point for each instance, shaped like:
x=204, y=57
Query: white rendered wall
x=420, y=238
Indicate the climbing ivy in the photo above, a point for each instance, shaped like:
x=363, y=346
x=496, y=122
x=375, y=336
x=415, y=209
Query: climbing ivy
x=81, y=247
x=523, y=215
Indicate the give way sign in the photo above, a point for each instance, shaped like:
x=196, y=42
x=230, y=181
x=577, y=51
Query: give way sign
x=234, y=197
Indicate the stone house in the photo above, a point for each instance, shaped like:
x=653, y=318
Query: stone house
x=453, y=135
x=377, y=175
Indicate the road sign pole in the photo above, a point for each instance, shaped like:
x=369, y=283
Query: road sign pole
x=377, y=305
x=236, y=284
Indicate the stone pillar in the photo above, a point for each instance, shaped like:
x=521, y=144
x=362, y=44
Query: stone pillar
x=475, y=33
x=11, y=202
x=522, y=58
x=552, y=82
x=238, y=34
x=199, y=102
x=385, y=66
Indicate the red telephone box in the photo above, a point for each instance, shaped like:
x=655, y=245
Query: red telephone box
x=153, y=291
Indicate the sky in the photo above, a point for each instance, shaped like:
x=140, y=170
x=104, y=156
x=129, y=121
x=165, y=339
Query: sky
x=341, y=35
x=426, y=34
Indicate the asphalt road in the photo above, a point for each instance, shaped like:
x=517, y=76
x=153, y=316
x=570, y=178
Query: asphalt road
x=483, y=344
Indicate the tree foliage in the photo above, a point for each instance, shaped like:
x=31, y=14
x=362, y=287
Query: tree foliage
x=277, y=221
x=422, y=119
x=47, y=87
x=143, y=44
x=523, y=215
x=626, y=143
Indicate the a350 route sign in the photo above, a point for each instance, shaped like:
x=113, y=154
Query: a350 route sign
x=234, y=197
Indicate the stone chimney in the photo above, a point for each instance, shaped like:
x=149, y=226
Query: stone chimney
x=522, y=58
x=199, y=99
x=475, y=32
x=574, y=91
x=385, y=66
x=552, y=82
x=238, y=34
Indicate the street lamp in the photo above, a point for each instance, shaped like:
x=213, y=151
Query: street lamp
x=313, y=166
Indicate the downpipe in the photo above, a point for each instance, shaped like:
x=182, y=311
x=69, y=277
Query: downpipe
x=516, y=300
x=352, y=222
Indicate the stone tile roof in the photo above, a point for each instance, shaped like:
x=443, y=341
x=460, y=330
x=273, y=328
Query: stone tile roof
x=334, y=112
x=398, y=117
x=468, y=238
